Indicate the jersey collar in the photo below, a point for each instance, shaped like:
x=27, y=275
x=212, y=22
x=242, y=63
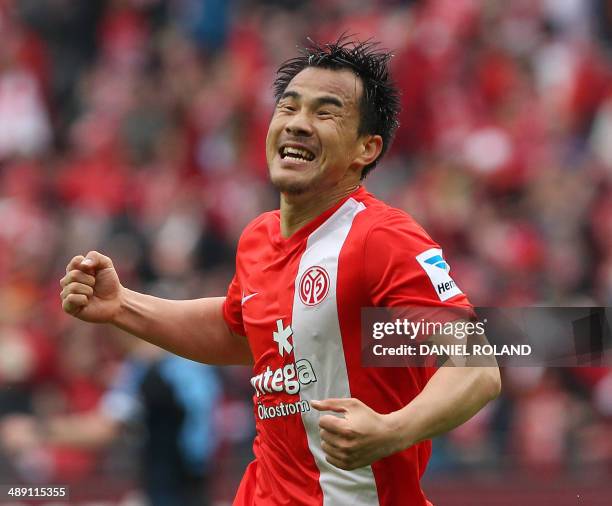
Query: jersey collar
x=302, y=233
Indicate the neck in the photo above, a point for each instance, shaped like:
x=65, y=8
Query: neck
x=297, y=210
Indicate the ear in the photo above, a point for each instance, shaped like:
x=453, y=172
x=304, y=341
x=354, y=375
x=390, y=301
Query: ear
x=369, y=150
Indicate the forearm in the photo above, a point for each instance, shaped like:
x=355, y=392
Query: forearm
x=452, y=396
x=85, y=430
x=194, y=329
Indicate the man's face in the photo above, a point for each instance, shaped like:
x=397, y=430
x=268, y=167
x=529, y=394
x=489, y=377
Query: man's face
x=312, y=141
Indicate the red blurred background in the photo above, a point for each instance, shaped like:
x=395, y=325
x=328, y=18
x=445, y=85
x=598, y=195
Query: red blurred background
x=136, y=127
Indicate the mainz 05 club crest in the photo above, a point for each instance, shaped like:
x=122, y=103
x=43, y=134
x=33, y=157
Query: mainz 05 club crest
x=314, y=285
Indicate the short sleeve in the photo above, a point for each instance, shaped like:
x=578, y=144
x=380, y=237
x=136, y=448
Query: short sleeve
x=232, y=308
x=404, y=267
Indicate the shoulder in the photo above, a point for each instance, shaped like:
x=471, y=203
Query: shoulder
x=257, y=230
x=402, y=263
x=379, y=223
x=263, y=220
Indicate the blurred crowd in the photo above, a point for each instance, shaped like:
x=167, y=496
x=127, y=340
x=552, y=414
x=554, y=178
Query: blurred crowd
x=137, y=127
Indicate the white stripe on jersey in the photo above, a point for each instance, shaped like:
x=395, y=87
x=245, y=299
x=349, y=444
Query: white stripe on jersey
x=316, y=338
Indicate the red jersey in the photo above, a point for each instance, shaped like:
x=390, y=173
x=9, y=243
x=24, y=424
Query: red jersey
x=298, y=301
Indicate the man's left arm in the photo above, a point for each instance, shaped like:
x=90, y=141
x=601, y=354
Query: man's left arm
x=402, y=276
x=361, y=436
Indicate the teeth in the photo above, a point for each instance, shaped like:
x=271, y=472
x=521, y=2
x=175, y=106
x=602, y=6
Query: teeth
x=297, y=153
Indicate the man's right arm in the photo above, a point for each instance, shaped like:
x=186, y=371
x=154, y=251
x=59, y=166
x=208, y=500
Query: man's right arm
x=194, y=329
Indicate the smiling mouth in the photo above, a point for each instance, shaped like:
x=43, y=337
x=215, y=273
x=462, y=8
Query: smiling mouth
x=293, y=153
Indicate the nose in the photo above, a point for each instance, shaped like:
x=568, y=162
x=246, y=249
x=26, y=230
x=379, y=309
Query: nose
x=299, y=125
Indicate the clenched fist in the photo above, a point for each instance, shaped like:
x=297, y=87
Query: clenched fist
x=91, y=289
x=358, y=438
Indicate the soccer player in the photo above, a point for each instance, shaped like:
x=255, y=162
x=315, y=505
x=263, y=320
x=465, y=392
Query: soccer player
x=329, y=431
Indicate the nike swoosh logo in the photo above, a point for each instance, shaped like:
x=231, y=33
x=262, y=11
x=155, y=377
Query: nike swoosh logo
x=244, y=299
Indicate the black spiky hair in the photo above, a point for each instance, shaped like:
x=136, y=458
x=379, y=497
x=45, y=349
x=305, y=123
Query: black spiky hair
x=380, y=101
